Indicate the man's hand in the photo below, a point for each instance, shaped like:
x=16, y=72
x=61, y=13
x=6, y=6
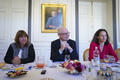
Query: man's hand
x=68, y=46
x=63, y=45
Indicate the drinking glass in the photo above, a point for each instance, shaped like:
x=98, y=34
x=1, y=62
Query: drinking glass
x=112, y=59
x=67, y=57
x=106, y=58
x=40, y=62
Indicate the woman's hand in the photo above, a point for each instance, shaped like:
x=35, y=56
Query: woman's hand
x=16, y=60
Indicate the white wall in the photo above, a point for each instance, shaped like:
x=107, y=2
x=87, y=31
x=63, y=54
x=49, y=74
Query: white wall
x=110, y=20
x=13, y=16
x=42, y=41
x=118, y=22
x=93, y=15
x=91, y=18
x=85, y=14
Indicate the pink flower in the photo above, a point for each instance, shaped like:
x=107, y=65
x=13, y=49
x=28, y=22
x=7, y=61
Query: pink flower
x=73, y=66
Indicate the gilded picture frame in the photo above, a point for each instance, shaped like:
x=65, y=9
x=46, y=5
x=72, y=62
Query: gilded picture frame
x=53, y=16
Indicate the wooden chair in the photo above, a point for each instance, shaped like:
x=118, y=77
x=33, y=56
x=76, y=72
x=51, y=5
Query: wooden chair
x=86, y=55
x=117, y=51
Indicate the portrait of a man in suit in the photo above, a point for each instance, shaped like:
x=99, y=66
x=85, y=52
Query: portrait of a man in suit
x=55, y=18
x=52, y=17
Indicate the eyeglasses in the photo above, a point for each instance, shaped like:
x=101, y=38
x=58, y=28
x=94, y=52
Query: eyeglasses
x=64, y=33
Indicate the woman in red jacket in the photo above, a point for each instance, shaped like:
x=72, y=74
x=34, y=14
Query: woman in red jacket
x=101, y=40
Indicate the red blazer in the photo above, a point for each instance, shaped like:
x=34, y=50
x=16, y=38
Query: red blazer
x=107, y=49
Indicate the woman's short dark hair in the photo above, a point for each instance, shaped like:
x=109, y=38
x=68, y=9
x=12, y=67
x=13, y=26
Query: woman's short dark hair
x=95, y=38
x=19, y=34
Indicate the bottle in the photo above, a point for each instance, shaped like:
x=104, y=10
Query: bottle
x=96, y=56
x=89, y=67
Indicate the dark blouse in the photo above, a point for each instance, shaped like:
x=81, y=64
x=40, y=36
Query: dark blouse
x=9, y=55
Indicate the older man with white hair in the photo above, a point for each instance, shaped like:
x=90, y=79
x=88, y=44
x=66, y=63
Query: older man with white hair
x=63, y=46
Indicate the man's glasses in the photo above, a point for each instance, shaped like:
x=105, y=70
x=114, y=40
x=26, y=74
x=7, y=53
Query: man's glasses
x=64, y=33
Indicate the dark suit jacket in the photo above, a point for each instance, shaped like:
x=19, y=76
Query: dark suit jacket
x=56, y=56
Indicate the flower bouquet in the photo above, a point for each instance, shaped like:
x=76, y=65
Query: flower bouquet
x=73, y=66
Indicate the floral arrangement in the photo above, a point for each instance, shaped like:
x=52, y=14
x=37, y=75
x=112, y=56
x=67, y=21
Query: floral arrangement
x=73, y=66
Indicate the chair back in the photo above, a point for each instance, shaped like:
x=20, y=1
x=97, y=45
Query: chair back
x=86, y=55
x=117, y=51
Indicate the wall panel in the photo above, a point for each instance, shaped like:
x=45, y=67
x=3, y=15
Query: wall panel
x=118, y=22
x=13, y=17
x=42, y=41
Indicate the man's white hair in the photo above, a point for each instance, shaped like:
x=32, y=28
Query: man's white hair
x=61, y=29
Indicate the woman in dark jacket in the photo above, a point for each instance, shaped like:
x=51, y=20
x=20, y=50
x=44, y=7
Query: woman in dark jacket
x=21, y=51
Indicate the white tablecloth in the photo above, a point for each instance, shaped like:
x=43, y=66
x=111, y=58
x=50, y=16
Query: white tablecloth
x=56, y=73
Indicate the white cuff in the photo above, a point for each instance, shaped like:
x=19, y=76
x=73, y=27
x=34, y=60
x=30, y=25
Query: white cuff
x=71, y=50
x=60, y=51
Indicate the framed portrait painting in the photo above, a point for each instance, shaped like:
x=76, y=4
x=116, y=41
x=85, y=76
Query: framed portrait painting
x=53, y=16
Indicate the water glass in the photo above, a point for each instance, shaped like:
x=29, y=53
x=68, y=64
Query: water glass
x=49, y=63
x=67, y=57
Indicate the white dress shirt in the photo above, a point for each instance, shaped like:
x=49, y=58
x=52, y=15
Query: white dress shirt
x=20, y=53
